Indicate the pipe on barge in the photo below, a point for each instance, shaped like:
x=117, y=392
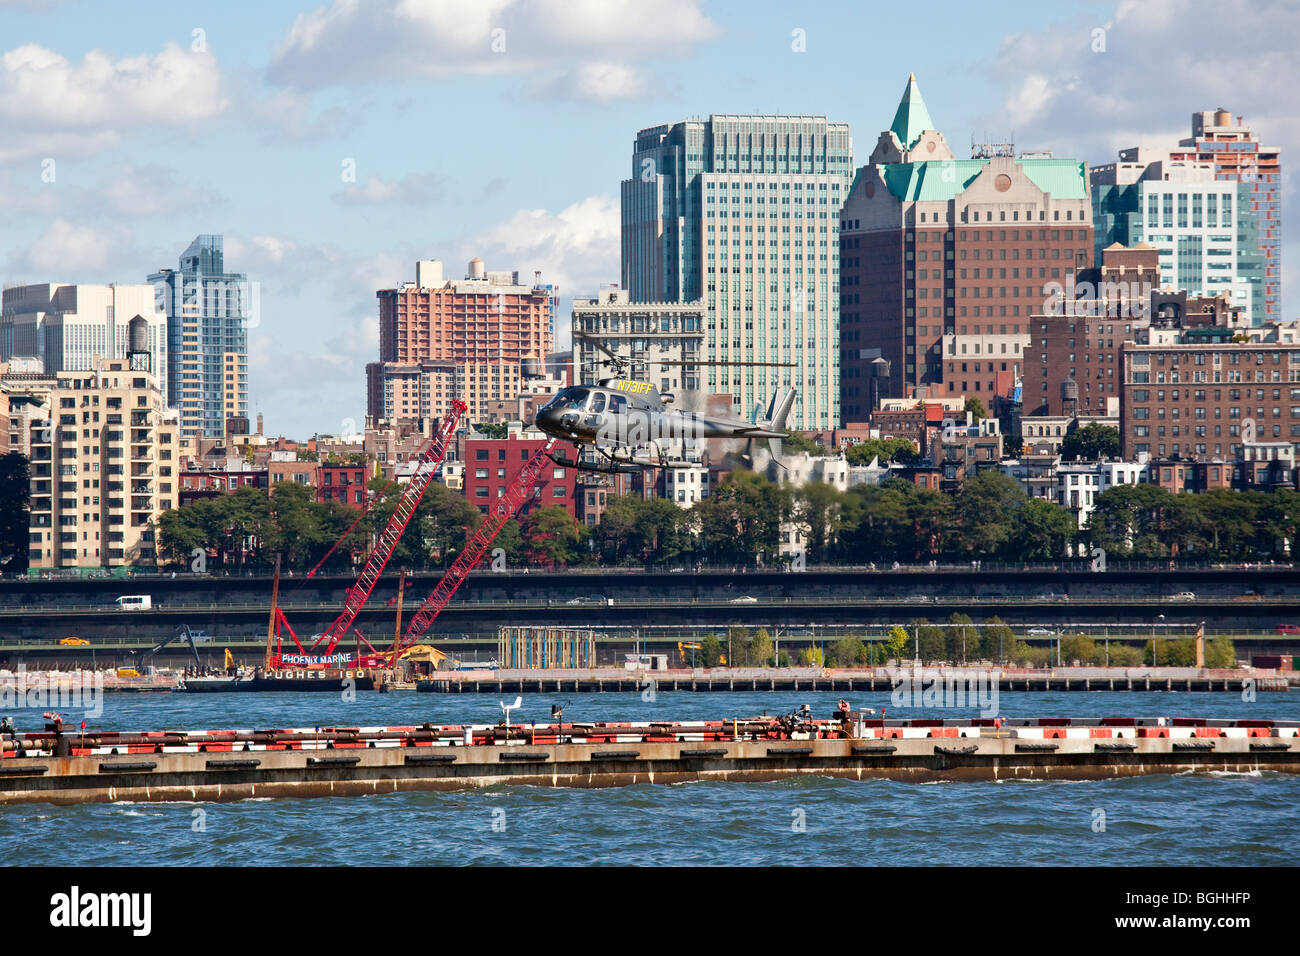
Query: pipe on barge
x=223, y=766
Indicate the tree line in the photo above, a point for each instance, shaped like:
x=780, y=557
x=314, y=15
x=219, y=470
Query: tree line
x=749, y=521
x=959, y=641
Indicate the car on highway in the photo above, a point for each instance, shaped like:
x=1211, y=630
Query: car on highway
x=1288, y=628
x=75, y=642
x=1040, y=632
x=1183, y=596
x=744, y=599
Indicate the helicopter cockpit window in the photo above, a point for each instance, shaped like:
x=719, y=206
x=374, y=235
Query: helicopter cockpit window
x=571, y=398
x=597, y=402
x=617, y=404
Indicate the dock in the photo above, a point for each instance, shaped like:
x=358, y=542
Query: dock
x=854, y=680
x=221, y=766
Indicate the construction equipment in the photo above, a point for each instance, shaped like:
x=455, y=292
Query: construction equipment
x=684, y=646
x=426, y=654
x=361, y=590
x=182, y=631
x=519, y=491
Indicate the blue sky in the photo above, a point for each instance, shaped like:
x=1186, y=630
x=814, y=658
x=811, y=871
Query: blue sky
x=511, y=144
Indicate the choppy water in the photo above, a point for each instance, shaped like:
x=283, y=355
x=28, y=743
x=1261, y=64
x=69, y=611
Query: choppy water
x=1188, y=820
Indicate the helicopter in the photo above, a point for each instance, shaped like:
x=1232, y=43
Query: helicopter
x=630, y=426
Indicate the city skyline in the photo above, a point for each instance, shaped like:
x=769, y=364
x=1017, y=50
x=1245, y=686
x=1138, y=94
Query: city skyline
x=185, y=128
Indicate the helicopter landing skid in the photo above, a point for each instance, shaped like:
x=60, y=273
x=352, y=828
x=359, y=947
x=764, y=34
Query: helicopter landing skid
x=614, y=467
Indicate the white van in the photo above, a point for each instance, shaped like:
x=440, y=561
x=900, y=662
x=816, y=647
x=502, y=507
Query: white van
x=135, y=602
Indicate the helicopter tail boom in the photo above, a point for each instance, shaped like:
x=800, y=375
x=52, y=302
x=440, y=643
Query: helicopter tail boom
x=774, y=426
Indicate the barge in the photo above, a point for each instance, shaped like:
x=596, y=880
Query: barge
x=58, y=766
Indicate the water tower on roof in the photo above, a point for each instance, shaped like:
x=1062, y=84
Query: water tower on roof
x=137, y=345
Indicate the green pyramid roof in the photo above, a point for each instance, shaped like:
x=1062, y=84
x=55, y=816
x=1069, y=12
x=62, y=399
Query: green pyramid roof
x=912, y=118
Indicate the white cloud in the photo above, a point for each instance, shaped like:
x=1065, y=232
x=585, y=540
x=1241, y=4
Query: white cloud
x=66, y=249
x=38, y=197
x=149, y=190
x=1088, y=88
x=595, y=82
x=51, y=106
x=349, y=41
x=1063, y=90
x=576, y=248
x=414, y=189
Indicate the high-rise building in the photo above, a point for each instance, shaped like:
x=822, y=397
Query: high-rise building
x=208, y=311
x=943, y=260
x=67, y=326
x=645, y=333
x=1239, y=157
x=1204, y=227
x=104, y=463
x=1201, y=392
x=1071, y=366
x=741, y=213
x=476, y=339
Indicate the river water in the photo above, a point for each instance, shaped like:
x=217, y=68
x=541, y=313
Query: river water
x=1200, y=820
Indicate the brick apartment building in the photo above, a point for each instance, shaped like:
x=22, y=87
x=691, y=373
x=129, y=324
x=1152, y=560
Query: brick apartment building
x=1197, y=393
x=491, y=464
x=476, y=339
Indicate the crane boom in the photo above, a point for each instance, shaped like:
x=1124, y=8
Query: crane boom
x=360, y=592
x=519, y=491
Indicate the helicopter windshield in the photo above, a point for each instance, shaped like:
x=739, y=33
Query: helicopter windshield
x=570, y=398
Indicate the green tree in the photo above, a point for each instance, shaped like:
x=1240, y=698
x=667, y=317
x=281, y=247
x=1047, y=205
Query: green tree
x=930, y=641
x=819, y=514
x=797, y=442
x=962, y=637
x=1043, y=531
x=901, y=450
x=740, y=521
x=812, y=657
x=711, y=651
x=552, y=536
x=988, y=507
x=1092, y=442
x=1079, y=647
x=498, y=430
x=997, y=640
x=976, y=408
x=895, y=647
x=848, y=651
x=761, y=648
x=1220, y=652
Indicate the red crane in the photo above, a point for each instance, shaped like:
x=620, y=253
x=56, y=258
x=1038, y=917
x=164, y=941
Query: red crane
x=360, y=591
x=519, y=491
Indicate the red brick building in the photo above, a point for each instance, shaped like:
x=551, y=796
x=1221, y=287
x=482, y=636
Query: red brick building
x=944, y=260
x=475, y=339
x=1079, y=340
x=491, y=464
x=1202, y=395
x=345, y=484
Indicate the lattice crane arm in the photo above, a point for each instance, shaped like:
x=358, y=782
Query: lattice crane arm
x=519, y=491
x=360, y=591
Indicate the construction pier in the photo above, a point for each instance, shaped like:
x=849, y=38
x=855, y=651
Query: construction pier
x=65, y=767
x=852, y=680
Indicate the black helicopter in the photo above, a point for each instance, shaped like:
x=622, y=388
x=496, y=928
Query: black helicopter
x=629, y=425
